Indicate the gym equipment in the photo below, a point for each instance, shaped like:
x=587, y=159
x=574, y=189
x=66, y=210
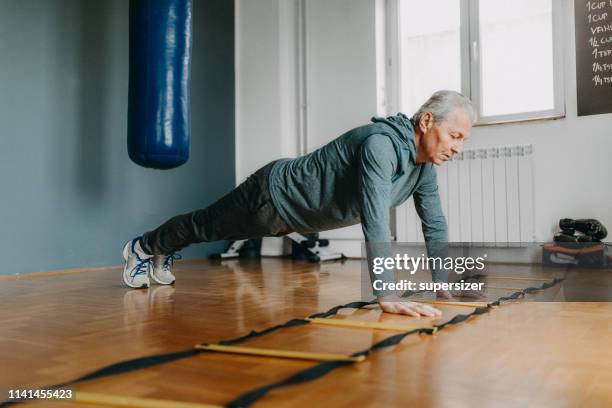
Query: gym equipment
x=299, y=355
x=578, y=244
x=567, y=236
x=159, y=112
x=512, y=278
x=309, y=374
x=590, y=230
x=448, y=303
x=244, y=248
x=132, y=402
x=587, y=255
x=364, y=324
x=308, y=247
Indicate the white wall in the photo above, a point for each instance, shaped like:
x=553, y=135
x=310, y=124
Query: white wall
x=340, y=75
x=341, y=67
x=572, y=155
x=266, y=83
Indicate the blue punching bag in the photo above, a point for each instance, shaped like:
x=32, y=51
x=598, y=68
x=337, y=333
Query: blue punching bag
x=159, y=112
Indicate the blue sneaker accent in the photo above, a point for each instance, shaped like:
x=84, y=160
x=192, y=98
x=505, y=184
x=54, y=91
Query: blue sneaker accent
x=142, y=264
x=169, y=261
x=137, y=265
x=161, y=268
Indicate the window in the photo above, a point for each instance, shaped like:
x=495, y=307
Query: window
x=501, y=54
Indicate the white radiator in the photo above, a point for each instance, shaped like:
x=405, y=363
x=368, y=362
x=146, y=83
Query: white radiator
x=487, y=196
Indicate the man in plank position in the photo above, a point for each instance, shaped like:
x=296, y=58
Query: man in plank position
x=358, y=177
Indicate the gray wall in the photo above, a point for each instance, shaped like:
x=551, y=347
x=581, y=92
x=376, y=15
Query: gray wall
x=69, y=195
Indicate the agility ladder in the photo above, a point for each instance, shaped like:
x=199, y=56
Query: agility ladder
x=329, y=361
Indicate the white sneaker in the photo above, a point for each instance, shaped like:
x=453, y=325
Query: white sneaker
x=137, y=265
x=161, y=270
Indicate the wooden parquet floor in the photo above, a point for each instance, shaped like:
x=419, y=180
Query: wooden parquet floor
x=54, y=328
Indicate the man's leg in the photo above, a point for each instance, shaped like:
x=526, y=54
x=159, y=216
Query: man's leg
x=246, y=212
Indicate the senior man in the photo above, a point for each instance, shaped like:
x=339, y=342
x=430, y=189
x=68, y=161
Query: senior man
x=357, y=177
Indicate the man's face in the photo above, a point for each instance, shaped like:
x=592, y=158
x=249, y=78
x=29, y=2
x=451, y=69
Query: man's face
x=441, y=141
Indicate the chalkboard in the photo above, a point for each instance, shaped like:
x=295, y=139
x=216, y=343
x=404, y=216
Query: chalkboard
x=593, y=56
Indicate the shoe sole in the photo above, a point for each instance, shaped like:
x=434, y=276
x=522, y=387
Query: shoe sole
x=159, y=282
x=125, y=280
x=152, y=276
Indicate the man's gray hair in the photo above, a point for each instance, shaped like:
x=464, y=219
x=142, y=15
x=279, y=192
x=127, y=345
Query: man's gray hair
x=442, y=103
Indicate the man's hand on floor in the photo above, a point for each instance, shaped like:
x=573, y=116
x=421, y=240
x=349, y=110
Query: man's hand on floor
x=409, y=308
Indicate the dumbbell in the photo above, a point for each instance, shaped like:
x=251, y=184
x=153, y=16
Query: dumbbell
x=590, y=227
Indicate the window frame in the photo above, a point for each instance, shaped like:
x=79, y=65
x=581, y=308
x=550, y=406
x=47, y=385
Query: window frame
x=470, y=66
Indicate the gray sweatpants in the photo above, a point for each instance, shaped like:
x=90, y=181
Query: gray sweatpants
x=247, y=212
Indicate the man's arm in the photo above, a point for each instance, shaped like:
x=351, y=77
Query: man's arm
x=377, y=164
x=435, y=229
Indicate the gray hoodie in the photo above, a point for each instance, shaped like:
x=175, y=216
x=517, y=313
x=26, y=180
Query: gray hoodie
x=358, y=177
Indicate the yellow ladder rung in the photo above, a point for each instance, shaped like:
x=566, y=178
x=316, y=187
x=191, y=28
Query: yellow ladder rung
x=362, y=324
x=500, y=288
x=301, y=355
x=460, y=304
x=123, y=401
x=518, y=278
